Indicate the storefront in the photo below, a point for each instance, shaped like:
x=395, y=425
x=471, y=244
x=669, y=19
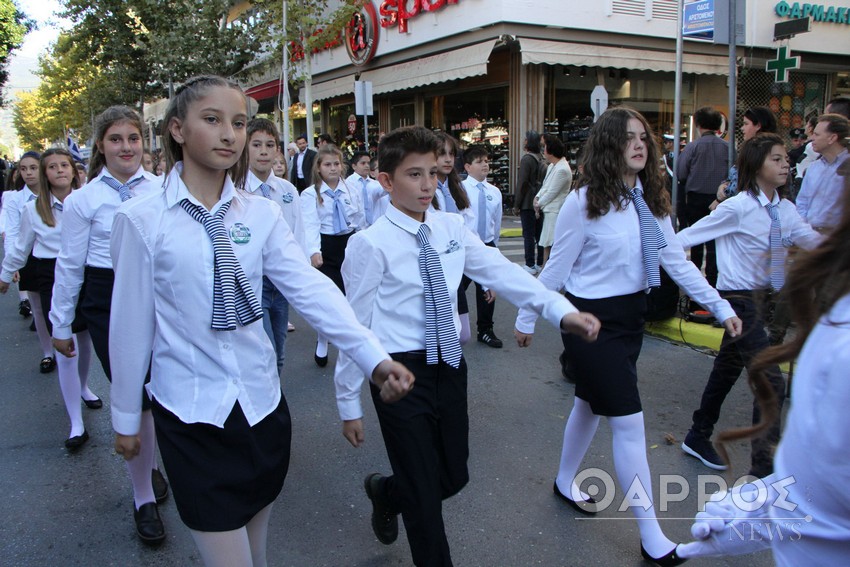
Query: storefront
x=488, y=70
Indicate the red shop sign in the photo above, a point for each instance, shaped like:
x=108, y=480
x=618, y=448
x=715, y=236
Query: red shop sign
x=398, y=12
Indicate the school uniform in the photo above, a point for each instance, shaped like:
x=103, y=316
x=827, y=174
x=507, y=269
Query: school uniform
x=600, y=264
x=222, y=423
x=426, y=432
x=485, y=202
x=41, y=242
x=321, y=234
x=13, y=205
x=371, y=194
x=741, y=226
x=275, y=305
x=84, y=273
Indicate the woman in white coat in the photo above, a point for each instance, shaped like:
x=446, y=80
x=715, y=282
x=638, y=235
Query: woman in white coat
x=553, y=192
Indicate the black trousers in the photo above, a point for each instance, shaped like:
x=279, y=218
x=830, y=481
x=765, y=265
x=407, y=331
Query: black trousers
x=736, y=354
x=426, y=434
x=301, y=184
x=696, y=207
x=484, y=310
x=531, y=229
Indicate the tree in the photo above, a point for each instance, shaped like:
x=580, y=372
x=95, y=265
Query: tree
x=14, y=25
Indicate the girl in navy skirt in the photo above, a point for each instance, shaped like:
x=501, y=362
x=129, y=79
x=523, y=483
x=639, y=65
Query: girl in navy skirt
x=84, y=264
x=40, y=234
x=189, y=263
x=611, y=235
x=331, y=212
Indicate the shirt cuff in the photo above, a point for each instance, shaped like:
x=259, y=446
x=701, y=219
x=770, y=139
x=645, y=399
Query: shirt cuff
x=349, y=409
x=126, y=423
x=62, y=333
x=558, y=312
x=6, y=276
x=525, y=321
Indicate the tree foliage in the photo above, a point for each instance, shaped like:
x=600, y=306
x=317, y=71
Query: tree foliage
x=14, y=25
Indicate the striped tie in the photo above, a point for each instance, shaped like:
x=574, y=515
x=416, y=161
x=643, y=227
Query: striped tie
x=482, y=213
x=233, y=296
x=266, y=190
x=122, y=188
x=451, y=205
x=58, y=207
x=651, y=238
x=367, y=202
x=440, y=333
x=339, y=218
x=777, y=252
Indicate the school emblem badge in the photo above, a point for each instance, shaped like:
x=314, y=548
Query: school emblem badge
x=240, y=234
x=287, y=198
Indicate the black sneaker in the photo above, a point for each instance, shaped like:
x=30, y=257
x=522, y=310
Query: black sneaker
x=24, y=308
x=490, y=339
x=384, y=521
x=698, y=446
x=160, y=486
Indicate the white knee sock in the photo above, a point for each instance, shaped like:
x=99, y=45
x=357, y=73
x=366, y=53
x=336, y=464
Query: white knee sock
x=40, y=326
x=465, y=329
x=82, y=341
x=578, y=433
x=141, y=465
x=224, y=549
x=258, y=531
x=633, y=468
x=69, y=383
x=321, y=346
x=23, y=295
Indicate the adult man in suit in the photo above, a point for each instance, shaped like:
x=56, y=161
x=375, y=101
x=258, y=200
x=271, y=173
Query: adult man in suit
x=301, y=166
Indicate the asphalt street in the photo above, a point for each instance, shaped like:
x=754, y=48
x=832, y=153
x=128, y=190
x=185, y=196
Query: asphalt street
x=75, y=509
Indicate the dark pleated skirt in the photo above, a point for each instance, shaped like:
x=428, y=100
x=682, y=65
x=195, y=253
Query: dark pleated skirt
x=28, y=277
x=606, y=370
x=222, y=477
x=44, y=272
x=333, y=253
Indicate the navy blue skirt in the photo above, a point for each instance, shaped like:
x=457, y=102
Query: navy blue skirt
x=28, y=279
x=222, y=477
x=606, y=370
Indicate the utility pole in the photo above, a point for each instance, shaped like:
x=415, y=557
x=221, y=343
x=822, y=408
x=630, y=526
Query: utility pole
x=677, y=104
x=284, y=83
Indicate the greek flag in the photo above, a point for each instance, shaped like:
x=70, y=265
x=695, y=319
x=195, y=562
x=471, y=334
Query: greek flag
x=74, y=149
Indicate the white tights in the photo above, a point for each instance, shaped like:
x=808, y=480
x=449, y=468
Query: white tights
x=245, y=546
x=73, y=379
x=140, y=466
x=630, y=462
x=39, y=317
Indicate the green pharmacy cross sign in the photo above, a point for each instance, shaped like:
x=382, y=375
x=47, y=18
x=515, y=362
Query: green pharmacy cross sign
x=782, y=64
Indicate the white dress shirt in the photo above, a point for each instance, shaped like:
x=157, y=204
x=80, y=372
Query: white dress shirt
x=164, y=265
x=286, y=196
x=86, y=230
x=384, y=286
x=602, y=257
x=374, y=192
x=34, y=237
x=12, y=208
x=319, y=219
x=820, y=199
x=493, y=225
x=740, y=225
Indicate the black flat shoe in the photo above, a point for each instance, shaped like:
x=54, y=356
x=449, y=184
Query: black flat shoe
x=587, y=507
x=160, y=486
x=47, y=364
x=321, y=361
x=668, y=560
x=77, y=441
x=149, y=526
x=24, y=308
x=96, y=403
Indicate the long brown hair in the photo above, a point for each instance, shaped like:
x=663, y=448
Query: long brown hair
x=44, y=203
x=326, y=150
x=604, y=166
x=815, y=281
x=751, y=158
x=178, y=107
x=455, y=186
x=104, y=121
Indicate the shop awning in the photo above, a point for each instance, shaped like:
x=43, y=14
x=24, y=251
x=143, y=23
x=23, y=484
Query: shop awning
x=583, y=55
x=457, y=64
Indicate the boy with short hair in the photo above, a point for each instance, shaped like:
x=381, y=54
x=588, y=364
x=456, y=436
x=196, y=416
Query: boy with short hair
x=485, y=202
x=413, y=256
x=370, y=190
x=263, y=146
